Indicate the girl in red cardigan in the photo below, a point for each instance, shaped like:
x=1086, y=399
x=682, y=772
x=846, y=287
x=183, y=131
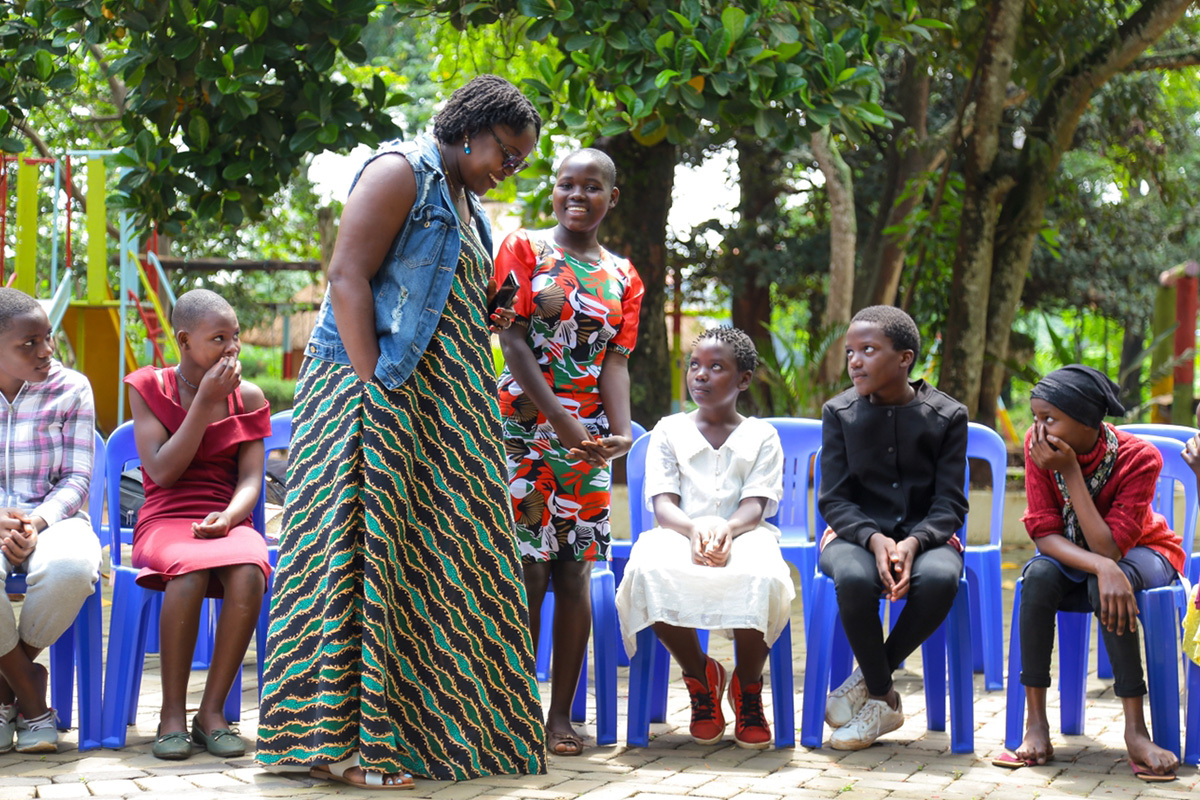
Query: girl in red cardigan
x=1089, y=487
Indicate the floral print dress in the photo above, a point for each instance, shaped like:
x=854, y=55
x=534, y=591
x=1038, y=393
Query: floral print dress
x=575, y=313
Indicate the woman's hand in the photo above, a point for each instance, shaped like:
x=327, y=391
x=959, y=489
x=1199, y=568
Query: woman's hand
x=605, y=449
x=214, y=526
x=884, y=550
x=576, y=439
x=1118, y=606
x=1050, y=452
x=220, y=381
x=711, y=541
x=501, y=317
x=906, y=552
x=18, y=536
x=1191, y=454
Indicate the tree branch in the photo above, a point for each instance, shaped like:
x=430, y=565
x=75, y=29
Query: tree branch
x=115, y=84
x=1176, y=60
x=40, y=145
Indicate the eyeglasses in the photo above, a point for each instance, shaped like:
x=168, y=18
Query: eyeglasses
x=513, y=163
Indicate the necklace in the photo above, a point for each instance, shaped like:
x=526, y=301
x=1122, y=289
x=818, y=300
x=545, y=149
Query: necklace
x=179, y=373
x=461, y=191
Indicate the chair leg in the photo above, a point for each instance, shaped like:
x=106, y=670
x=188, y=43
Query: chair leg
x=202, y=655
x=661, y=678
x=89, y=669
x=1014, y=715
x=806, y=565
x=818, y=662
x=1159, y=628
x=1074, y=632
x=641, y=675
x=991, y=609
x=62, y=673
x=617, y=565
x=1103, y=664
x=1191, y=747
x=978, y=662
x=962, y=701
x=545, y=640
x=933, y=654
x=122, y=675
x=605, y=647
x=783, y=699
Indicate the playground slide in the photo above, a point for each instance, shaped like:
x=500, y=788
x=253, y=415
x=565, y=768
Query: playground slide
x=95, y=335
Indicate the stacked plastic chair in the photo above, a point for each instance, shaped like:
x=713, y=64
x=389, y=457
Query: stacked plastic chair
x=134, y=610
x=649, y=669
x=982, y=562
x=1158, y=614
x=829, y=661
x=78, y=653
x=801, y=439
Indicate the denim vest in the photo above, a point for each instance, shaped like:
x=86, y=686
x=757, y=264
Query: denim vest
x=411, y=287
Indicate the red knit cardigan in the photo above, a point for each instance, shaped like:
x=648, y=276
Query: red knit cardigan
x=1124, y=502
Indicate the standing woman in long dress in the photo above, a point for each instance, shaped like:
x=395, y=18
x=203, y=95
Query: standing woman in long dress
x=399, y=640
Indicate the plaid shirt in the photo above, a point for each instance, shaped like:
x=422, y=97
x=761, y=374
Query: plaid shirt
x=47, y=435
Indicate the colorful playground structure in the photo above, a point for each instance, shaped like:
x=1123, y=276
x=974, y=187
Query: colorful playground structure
x=97, y=323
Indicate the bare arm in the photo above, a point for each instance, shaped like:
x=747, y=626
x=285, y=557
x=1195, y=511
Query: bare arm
x=523, y=366
x=375, y=212
x=1051, y=453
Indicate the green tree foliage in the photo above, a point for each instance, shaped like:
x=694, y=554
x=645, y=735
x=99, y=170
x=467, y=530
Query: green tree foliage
x=221, y=99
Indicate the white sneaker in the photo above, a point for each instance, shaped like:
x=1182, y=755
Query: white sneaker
x=37, y=735
x=8, y=726
x=873, y=720
x=845, y=701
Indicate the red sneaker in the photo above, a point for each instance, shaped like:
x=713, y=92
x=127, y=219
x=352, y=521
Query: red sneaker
x=708, y=723
x=750, y=728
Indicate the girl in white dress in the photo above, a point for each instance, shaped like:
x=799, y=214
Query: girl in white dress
x=712, y=478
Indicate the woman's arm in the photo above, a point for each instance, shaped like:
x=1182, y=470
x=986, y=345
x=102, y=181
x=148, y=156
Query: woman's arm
x=614, y=396
x=523, y=366
x=1051, y=453
x=249, y=484
x=375, y=212
x=70, y=491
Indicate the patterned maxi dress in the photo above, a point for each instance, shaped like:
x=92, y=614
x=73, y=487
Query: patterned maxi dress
x=576, y=313
x=399, y=626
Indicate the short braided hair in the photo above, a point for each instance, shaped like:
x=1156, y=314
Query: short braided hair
x=484, y=102
x=193, y=306
x=607, y=168
x=897, y=325
x=744, y=351
x=15, y=303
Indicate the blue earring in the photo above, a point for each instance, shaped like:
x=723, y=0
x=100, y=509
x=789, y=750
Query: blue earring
x=467, y=145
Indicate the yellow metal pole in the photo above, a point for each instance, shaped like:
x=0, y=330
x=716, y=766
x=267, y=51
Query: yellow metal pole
x=97, y=230
x=26, y=261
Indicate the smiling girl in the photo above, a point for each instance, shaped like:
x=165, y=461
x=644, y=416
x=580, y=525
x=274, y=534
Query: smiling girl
x=564, y=396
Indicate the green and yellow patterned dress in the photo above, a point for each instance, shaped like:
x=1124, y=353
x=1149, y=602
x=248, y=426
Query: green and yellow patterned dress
x=399, y=626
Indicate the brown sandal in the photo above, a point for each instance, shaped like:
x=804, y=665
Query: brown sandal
x=560, y=743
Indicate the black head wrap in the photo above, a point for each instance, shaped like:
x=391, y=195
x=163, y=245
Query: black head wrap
x=1085, y=394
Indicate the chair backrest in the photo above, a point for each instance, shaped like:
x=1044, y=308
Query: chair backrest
x=280, y=439
x=640, y=519
x=638, y=430
x=1176, y=472
x=1179, y=433
x=120, y=455
x=985, y=444
x=801, y=439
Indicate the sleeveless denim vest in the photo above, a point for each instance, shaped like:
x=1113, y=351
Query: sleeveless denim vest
x=411, y=287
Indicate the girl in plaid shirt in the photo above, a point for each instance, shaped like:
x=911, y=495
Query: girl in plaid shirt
x=47, y=430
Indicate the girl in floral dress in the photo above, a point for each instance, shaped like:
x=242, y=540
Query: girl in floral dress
x=564, y=396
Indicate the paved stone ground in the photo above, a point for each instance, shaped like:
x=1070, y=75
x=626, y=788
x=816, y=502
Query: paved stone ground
x=911, y=763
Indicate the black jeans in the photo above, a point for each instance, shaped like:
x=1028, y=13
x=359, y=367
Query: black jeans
x=1048, y=590
x=931, y=592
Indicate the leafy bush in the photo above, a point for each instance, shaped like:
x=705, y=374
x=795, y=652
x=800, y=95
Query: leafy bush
x=279, y=391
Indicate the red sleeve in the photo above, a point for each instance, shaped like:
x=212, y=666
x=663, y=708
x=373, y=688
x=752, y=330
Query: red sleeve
x=516, y=255
x=1043, y=510
x=631, y=310
x=1137, y=482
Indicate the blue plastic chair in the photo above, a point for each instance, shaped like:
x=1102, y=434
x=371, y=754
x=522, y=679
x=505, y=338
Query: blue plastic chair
x=649, y=669
x=801, y=439
x=982, y=562
x=1158, y=612
x=280, y=439
x=1181, y=434
x=829, y=661
x=78, y=652
x=134, y=611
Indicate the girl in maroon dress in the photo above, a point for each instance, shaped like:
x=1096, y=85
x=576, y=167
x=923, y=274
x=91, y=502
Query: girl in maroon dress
x=199, y=433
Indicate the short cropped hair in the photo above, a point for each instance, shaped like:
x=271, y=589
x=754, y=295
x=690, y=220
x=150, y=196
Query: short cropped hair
x=744, y=351
x=485, y=102
x=897, y=325
x=13, y=304
x=193, y=306
x=607, y=168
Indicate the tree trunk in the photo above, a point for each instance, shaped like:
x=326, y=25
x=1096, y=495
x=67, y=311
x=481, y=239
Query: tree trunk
x=843, y=232
x=637, y=229
x=1049, y=136
x=760, y=169
x=1132, y=342
x=971, y=282
x=883, y=255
